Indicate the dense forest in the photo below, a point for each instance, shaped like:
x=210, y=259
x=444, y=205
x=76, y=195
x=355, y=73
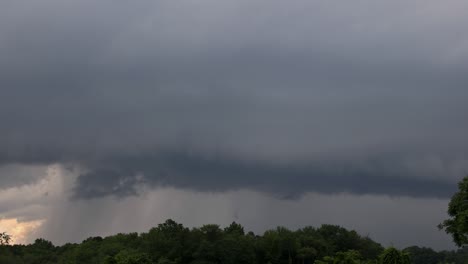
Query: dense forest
x=171, y=243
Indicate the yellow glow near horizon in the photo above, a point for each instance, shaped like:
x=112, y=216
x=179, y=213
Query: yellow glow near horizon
x=18, y=230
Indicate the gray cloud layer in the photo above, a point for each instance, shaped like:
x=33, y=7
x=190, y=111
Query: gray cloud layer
x=287, y=98
x=380, y=175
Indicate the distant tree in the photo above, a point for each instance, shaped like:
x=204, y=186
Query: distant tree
x=41, y=243
x=325, y=260
x=392, y=255
x=164, y=260
x=132, y=257
x=280, y=245
x=234, y=229
x=211, y=232
x=4, y=239
x=457, y=224
x=168, y=240
x=109, y=260
x=306, y=253
x=368, y=248
x=311, y=240
x=270, y=247
x=425, y=255
x=236, y=249
x=41, y=251
x=348, y=257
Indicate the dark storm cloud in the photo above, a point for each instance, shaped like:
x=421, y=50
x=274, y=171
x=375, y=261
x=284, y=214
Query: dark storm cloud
x=290, y=97
x=382, y=175
x=15, y=174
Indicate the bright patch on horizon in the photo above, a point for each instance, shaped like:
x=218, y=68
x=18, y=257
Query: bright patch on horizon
x=19, y=231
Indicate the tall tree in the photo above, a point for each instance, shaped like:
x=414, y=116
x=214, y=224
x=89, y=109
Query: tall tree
x=457, y=224
x=167, y=240
x=393, y=256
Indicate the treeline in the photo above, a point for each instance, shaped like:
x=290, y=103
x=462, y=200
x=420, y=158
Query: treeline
x=422, y=255
x=172, y=243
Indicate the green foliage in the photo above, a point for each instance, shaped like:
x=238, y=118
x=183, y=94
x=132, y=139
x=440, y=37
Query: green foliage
x=348, y=257
x=392, y=255
x=132, y=257
x=169, y=240
x=424, y=255
x=172, y=243
x=457, y=224
x=428, y=256
x=234, y=229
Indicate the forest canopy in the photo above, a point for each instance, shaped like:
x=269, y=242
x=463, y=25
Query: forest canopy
x=172, y=243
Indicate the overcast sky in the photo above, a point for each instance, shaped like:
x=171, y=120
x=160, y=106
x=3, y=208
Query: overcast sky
x=349, y=112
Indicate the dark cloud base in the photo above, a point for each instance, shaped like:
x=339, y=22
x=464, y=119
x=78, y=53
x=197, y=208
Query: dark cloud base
x=122, y=176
